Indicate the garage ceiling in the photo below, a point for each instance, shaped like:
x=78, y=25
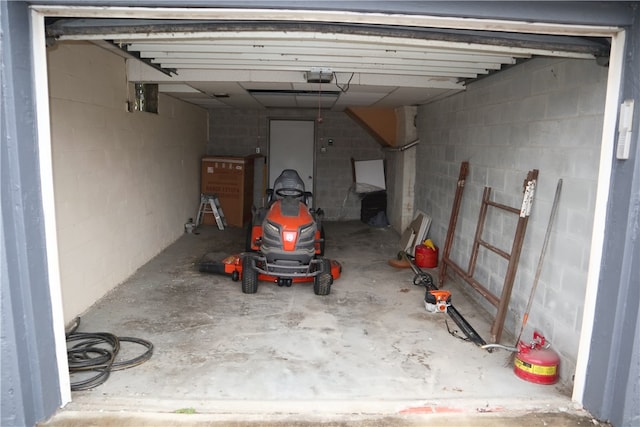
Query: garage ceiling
x=222, y=64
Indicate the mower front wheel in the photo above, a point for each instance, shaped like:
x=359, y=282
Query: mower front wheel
x=249, y=276
x=322, y=282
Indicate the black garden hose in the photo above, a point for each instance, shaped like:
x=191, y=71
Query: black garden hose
x=97, y=352
x=125, y=364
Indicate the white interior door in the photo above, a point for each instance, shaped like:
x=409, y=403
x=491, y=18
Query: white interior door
x=291, y=146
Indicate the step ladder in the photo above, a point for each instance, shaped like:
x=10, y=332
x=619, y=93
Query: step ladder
x=209, y=203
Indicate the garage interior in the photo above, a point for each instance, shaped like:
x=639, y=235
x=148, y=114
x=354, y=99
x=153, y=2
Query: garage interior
x=421, y=99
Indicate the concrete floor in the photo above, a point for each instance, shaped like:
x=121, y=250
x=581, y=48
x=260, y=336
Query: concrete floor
x=368, y=351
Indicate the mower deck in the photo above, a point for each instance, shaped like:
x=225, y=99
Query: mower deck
x=232, y=267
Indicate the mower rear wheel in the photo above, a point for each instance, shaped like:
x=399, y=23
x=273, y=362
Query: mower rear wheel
x=249, y=276
x=322, y=282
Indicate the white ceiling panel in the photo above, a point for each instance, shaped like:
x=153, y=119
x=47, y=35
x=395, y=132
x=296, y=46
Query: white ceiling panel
x=179, y=88
x=362, y=98
x=277, y=101
x=310, y=101
x=413, y=96
x=203, y=102
x=266, y=86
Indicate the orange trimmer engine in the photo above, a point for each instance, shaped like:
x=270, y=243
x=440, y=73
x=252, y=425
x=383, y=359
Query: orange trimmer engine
x=437, y=301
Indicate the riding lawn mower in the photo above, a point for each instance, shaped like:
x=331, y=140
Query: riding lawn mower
x=285, y=242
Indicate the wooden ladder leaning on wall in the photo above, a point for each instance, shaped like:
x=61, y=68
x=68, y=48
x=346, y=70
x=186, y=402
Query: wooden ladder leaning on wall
x=502, y=302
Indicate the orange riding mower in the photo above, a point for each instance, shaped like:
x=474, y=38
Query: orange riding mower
x=285, y=242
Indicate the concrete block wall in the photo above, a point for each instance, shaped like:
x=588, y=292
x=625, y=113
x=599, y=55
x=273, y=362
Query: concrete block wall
x=238, y=132
x=543, y=114
x=125, y=183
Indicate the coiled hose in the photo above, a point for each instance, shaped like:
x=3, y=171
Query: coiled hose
x=96, y=352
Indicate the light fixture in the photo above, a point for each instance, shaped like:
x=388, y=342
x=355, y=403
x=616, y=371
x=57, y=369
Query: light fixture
x=319, y=75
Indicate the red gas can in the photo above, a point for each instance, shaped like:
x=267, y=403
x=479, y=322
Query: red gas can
x=426, y=257
x=535, y=362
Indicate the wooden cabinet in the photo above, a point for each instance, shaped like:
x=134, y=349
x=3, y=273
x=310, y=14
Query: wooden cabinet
x=231, y=179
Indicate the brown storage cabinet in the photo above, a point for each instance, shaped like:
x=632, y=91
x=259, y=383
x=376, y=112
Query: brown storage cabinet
x=231, y=179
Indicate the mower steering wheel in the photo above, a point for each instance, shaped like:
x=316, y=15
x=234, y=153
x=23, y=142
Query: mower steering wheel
x=289, y=192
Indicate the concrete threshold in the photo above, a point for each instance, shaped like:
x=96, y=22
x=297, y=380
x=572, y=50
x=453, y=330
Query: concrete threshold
x=328, y=414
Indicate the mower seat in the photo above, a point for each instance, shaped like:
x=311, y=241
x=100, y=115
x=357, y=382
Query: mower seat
x=289, y=180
